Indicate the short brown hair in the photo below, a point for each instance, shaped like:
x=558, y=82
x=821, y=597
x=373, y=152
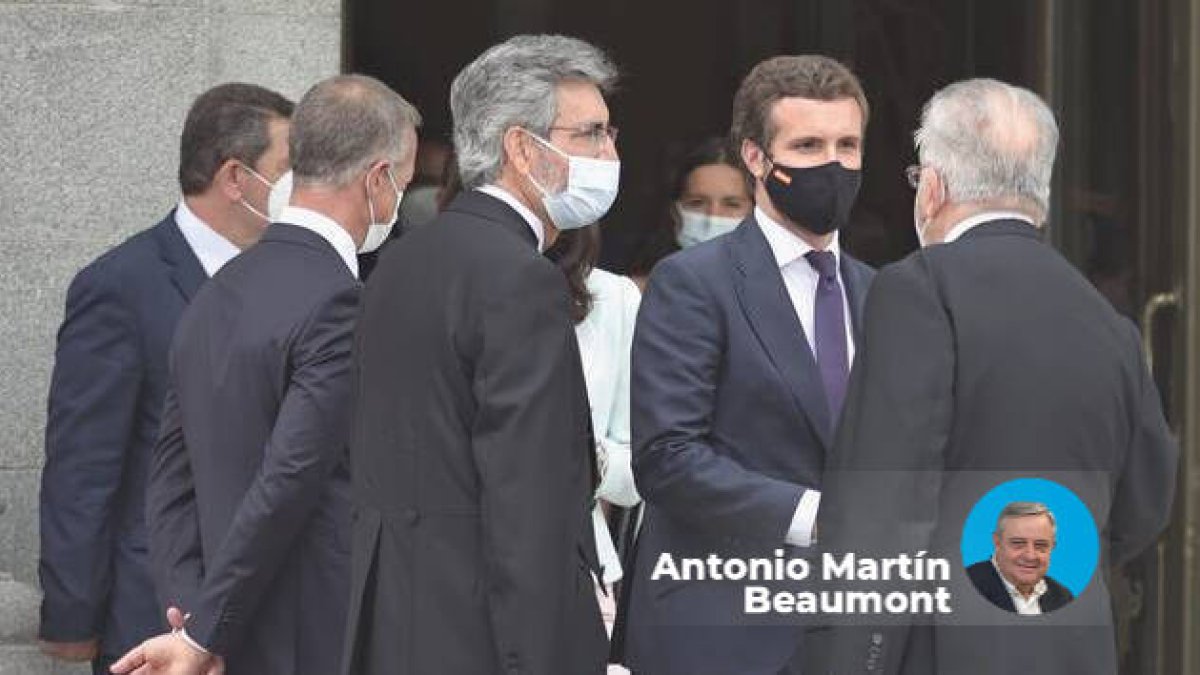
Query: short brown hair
x=815, y=77
x=229, y=121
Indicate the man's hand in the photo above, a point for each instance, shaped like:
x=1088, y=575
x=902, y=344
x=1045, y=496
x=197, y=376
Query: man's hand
x=72, y=651
x=168, y=654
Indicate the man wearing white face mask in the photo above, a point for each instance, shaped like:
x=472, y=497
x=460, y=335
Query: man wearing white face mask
x=472, y=452
x=248, y=505
x=110, y=375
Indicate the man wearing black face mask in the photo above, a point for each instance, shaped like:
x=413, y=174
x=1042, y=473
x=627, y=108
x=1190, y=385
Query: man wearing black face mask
x=740, y=365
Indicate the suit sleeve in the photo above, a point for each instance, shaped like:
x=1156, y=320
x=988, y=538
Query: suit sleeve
x=531, y=454
x=307, y=442
x=1146, y=487
x=677, y=354
x=92, y=410
x=176, y=561
x=617, y=484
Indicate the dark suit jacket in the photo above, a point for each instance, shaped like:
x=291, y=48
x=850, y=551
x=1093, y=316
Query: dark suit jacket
x=730, y=427
x=986, y=579
x=471, y=450
x=106, y=394
x=248, y=505
x=993, y=354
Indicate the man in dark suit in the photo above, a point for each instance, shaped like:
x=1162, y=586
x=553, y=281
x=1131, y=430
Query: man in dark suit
x=110, y=375
x=471, y=446
x=1015, y=578
x=740, y=362
x=248, y=503
x=986, y=356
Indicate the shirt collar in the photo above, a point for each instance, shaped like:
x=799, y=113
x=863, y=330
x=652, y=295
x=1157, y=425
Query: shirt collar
x=785, y=245
x=210, y=248
x=978, y=219
x=1039, y=589
x=328, y=229
x=535, y=223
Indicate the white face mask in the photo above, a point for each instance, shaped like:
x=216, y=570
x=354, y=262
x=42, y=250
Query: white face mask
x=697, y=227
x=281, y=194
x=378, y=232
x=591, y=190
x=270, y=215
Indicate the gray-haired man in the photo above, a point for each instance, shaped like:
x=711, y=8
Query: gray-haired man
x=471, y=448
x=1015, y=579
x=248, y=507
x=986, y=351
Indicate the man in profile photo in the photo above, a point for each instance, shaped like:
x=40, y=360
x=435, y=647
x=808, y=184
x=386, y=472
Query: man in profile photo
x=1015, y=578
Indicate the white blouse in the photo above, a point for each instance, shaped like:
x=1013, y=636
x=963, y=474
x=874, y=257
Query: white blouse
x=605, y=341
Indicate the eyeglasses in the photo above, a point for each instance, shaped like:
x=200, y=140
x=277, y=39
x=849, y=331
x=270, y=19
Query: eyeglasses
x=913, y=174
x=596, y=134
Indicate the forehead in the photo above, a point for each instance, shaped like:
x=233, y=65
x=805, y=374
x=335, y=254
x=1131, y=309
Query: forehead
x=793, y=117
x=1028, y=527
x=579, y=102
x=715, y=179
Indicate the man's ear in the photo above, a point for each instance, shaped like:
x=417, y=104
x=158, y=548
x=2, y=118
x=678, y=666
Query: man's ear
x=754, y=158
x=226, y=180
x=517, y=150
x=996, y=540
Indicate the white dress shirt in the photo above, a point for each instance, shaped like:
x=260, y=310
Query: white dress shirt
x=535, y=223
x=212, y=249
x=328, y=229
x=800, y=279
x=1029, y=606
x=978, y=219
x=605, y=341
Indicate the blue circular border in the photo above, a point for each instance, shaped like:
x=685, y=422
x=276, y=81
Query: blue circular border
x=1077, y=553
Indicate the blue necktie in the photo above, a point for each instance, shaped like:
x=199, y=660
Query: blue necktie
x=829, y=326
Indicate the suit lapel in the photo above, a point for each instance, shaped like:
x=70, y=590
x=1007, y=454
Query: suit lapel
x=764, y=299
x=186, y=272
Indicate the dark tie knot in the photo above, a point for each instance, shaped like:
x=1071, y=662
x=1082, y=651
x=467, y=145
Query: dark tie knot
x=824, y=262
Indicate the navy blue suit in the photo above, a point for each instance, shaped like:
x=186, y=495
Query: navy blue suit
x=106, y=396
x=730, y=427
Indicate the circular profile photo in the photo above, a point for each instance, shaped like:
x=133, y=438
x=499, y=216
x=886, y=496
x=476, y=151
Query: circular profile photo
x=1030, y=546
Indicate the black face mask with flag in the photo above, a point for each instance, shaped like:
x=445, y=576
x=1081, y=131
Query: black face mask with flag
x=817, y=198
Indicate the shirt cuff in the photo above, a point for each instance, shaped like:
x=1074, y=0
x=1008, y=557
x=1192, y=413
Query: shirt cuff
x=182, y=633
x=800, y=533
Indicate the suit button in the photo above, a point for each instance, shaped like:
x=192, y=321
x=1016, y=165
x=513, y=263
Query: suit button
x=411, y=516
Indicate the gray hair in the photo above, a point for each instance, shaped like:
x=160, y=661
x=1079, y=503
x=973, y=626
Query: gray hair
x=990, y=141
x=343, y=125
x=1023, y=509
x=513, y=84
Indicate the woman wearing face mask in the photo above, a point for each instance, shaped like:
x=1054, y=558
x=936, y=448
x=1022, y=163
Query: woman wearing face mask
x=604, y=307
x=708, y=195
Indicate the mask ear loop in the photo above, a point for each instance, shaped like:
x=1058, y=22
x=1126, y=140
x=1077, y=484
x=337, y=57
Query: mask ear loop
x=264, y=181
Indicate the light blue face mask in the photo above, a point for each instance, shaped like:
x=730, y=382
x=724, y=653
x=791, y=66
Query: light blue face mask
x=696, y=227
x=590, y=191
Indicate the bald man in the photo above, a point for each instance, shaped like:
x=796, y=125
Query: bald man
x=987, y=352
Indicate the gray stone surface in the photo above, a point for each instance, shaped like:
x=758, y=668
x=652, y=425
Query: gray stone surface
x=94, y=94
x=18, y=525
x=287, y=53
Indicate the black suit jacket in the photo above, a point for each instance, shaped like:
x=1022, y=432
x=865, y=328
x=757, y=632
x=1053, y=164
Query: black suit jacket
x=106, y=395
x=730, y=428
x=248, y=505
x=986, y=359
x=987, y=581
x=471, y=451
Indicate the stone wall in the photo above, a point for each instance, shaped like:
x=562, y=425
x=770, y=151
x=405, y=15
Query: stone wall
x=92, y=100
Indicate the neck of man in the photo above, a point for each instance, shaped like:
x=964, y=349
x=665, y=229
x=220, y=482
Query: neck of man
x=527, y=194
x=819, y=242
x=346, y=206
x=231, y=220
x=953, y=213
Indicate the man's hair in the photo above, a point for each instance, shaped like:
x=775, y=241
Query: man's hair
x=1023, y=509
x=344, y=124
x=229, y=121
x=990, y=141
x=514, y=84
x=813, y=77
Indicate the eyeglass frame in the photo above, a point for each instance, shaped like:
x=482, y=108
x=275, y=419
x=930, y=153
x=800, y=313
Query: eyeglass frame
x=596, y=133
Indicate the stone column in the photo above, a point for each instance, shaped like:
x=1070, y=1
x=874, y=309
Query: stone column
x=92, y=101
